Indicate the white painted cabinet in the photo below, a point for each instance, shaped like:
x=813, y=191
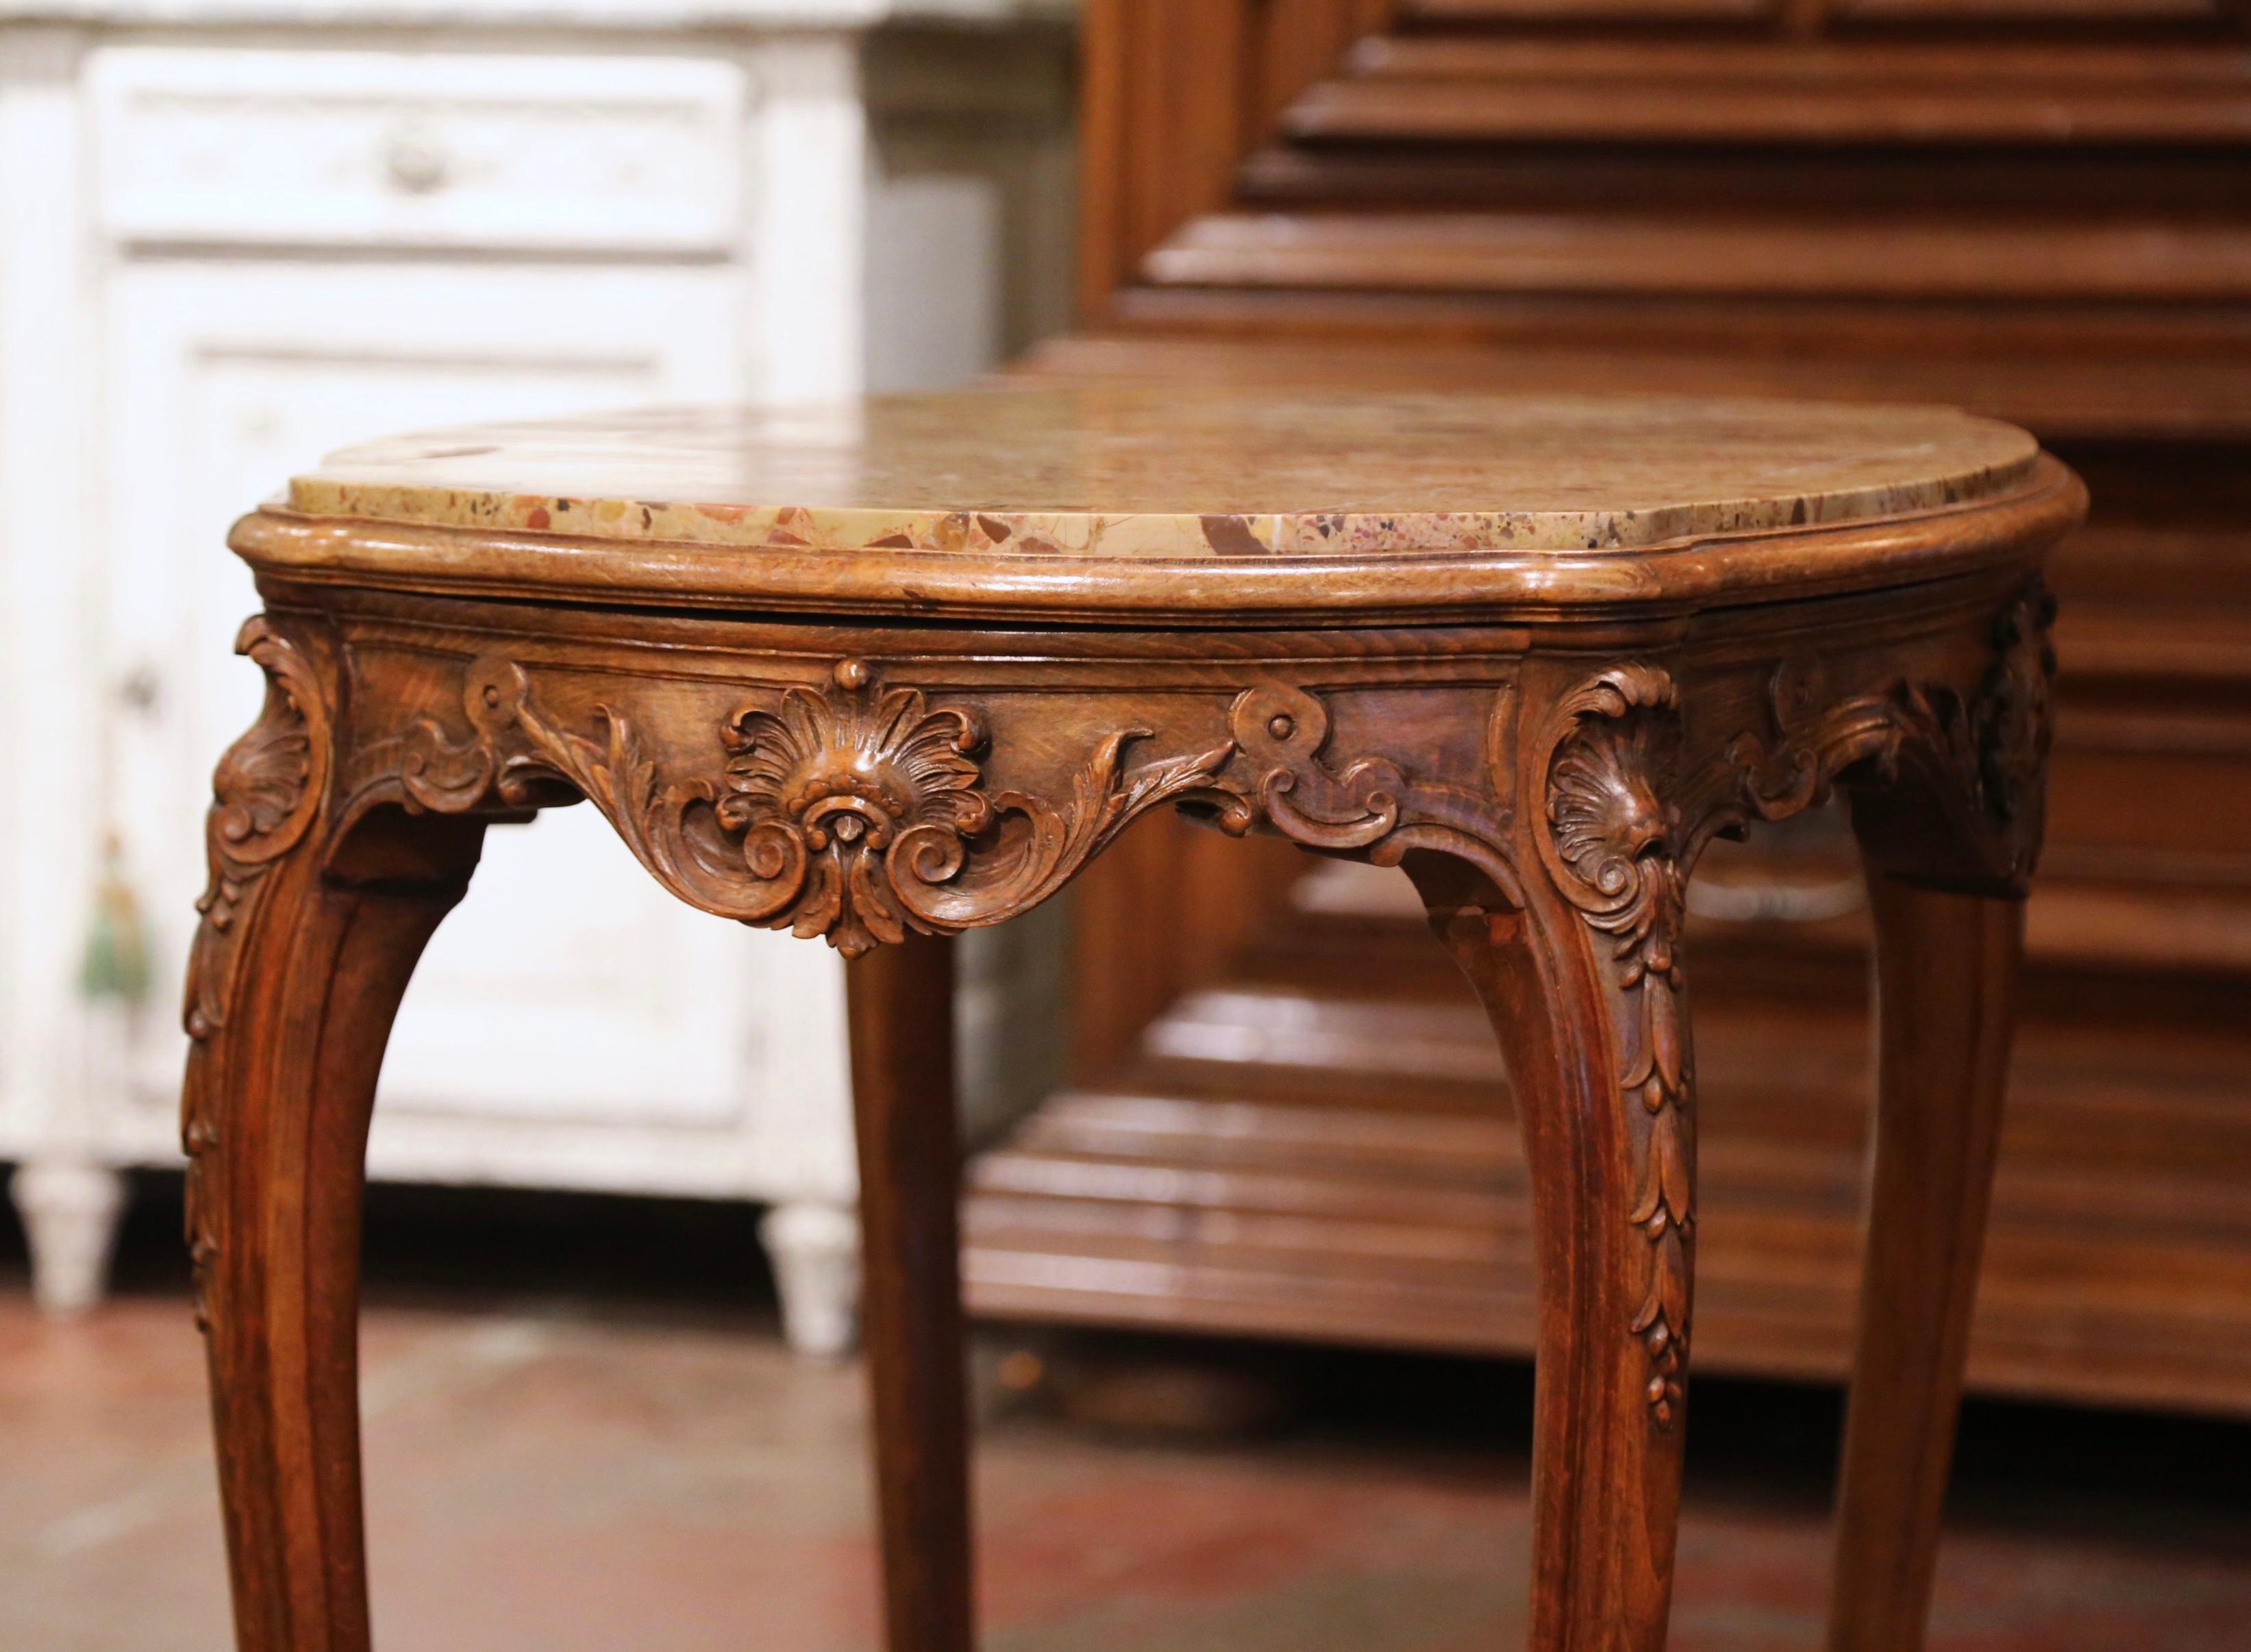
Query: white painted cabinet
x=226, y=257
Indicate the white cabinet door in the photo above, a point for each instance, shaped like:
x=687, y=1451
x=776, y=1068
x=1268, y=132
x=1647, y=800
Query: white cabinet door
x=616, y=1039
x=479, y=151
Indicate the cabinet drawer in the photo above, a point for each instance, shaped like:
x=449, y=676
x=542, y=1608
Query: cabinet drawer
x=366, y=148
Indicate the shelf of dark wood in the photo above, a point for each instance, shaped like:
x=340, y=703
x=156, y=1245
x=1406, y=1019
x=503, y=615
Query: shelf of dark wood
x=1287, y=1155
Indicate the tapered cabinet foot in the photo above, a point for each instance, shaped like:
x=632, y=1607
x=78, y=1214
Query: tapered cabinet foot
x=815, y=1250
x=71, y=1210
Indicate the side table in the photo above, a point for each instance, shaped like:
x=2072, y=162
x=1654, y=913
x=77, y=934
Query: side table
x=883, y=673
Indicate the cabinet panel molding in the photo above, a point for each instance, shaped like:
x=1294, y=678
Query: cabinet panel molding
x=356, y=148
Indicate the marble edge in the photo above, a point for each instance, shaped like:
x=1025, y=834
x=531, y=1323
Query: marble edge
x=2005, y=530
x=1125, y=535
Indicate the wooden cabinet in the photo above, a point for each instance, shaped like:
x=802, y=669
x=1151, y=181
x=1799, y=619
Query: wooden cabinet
x=230, y=253
x=1283, y=1124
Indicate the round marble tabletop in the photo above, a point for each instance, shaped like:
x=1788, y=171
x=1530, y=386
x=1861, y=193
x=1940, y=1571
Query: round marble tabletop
x=1115, y=496
x=1117, y=472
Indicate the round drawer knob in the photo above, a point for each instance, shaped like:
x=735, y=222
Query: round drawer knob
x=417, y=164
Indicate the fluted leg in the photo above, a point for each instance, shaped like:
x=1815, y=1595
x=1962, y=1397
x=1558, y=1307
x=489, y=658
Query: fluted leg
x=1945, y=966
x=901, y=1002
x=311, y=965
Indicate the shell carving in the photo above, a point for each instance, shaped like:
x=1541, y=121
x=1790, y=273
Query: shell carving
x=853, y=811
x=1613, y=845
x=827, y=788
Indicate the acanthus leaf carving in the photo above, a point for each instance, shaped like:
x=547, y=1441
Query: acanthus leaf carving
x=1619, y=852
x=1042, y=848
x=1611, y=844
x=859, y=812
x=1974, y=761
x=851, y=812
x=2014, y=722
x=266, y=793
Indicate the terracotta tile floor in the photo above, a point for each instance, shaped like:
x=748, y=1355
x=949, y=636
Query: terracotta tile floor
x=589, y=1442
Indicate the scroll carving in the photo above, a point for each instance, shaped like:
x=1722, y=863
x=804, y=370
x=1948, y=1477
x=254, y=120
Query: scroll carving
x=1282, y=732
x=1371, y=808
x=266, y=794
x=1623, y=824
x=1972, y=764
x=853, y=811
x=859, y=812
x=1611, y=846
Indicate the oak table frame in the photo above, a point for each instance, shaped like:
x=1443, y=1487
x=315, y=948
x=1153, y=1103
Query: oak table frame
x=887, y=745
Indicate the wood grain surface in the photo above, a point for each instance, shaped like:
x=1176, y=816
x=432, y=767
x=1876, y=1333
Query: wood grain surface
x=1547, y=741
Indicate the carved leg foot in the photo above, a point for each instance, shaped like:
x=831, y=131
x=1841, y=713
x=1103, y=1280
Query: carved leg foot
x=815, y=1248
x=71, y=1210
x=1598, y=1055
x=901, y=1004
x=1945, y=966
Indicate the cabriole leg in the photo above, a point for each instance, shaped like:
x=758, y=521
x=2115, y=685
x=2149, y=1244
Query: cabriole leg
x=1601, y=1079
x=281, y=1084
x=310, y=930
x=1945, y=968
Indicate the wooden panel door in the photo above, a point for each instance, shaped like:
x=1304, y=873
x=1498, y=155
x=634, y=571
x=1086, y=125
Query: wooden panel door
x=620, y=1043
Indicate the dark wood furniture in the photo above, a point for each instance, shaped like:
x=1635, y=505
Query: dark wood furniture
x=883, y=674
x=2038, y=209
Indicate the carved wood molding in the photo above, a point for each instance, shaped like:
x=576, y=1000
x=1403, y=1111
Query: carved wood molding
x=853, y=812
x=857, y=811
x=1377, y=807
x=1283, y=730
x=860, y=810
x=1963, y=770
x=266, y=794
x=1624, y=823
x=1611, y=844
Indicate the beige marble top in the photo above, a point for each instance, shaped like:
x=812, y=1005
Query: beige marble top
x=1172, y=472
